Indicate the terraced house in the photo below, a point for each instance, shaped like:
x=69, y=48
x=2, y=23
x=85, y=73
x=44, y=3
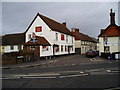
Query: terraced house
x=44, y=38
x=84, y=42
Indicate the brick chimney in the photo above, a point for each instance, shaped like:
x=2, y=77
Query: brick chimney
x=102, y=31
x=64, y=23
x=112, y=17
x=75, y=29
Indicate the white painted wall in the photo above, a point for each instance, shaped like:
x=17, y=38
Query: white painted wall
x=46, y=53
x=77, y=43
x=113, y=43
x=50, y=36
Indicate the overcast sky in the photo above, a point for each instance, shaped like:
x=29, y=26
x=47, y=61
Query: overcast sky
x=89, y=17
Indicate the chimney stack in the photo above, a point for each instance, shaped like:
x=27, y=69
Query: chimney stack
x=112, y=17
x=75, y=29
x=64, y=23
x=102, y=31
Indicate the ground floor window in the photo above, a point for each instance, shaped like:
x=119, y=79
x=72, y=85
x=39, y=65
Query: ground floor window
x=44, y=48
x=61, y=48
x=11, y=47
x=19, y=47
x=65, y=48
x=57, y=48
x=106, y=48
x=72, y=48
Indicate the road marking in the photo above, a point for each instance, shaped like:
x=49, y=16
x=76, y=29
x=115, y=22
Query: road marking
x=73, y=64
x=80, y=71
x=73, y=75
x=94, y=70
x=101, y=73
x=116, y=88
x=111, y=71
x=10, y=78
x=108, y=70
x=40, y=77
x=33, y=74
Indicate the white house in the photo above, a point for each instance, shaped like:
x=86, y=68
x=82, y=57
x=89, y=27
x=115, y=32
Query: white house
x=83, y=43
x=44, y=37
x=109, y=40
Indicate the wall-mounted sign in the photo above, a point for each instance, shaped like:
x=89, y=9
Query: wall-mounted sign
x=38, y=29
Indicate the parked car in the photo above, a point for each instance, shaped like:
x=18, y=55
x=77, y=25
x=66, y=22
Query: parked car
x=96, y=52
x=91, y=53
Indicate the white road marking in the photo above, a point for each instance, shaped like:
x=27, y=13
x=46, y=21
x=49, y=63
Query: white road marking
x=39, y=77
x=80, y=71
x=73, y=64
x=101, y=73
x=73, y=75
x=108, y=70
x=10, y=78
x=94, y=70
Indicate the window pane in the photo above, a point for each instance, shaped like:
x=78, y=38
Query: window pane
x=11, y=47
x=61, y=48
x=19, y=47
x=56, y=36
x=66, y=38
x=29, y=36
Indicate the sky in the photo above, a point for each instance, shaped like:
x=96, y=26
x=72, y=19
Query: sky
x=89, y=17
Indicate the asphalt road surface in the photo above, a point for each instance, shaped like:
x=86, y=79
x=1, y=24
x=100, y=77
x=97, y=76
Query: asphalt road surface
x=97, y=75
x=78, y=76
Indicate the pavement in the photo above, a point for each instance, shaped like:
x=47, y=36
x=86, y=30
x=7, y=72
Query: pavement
x=71, y=59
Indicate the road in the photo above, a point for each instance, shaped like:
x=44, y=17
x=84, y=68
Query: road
x=97, y=75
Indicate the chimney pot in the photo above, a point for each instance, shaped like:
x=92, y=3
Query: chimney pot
x=112, y=17
x=111, y=10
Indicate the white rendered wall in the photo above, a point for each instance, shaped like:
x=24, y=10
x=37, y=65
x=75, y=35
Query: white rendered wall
x=77, y=43
x=46, y=53
x=50, y=36
x=113, y=43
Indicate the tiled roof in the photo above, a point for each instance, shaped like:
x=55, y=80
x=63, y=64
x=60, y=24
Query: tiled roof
x=111, y=31
x=96, y=40
x=54, y=25
x=39, y=41
x=81, y=36
x=13, y=39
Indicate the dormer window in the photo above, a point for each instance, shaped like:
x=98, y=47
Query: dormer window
x=38, y=29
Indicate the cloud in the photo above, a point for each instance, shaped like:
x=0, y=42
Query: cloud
x=90, y=17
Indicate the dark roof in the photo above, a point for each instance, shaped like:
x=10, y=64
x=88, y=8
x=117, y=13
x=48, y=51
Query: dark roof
x=82, y=37
x=54, y=25
x=13, y=39
x=96, y=40
x=40, y=41
x=111, y=31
